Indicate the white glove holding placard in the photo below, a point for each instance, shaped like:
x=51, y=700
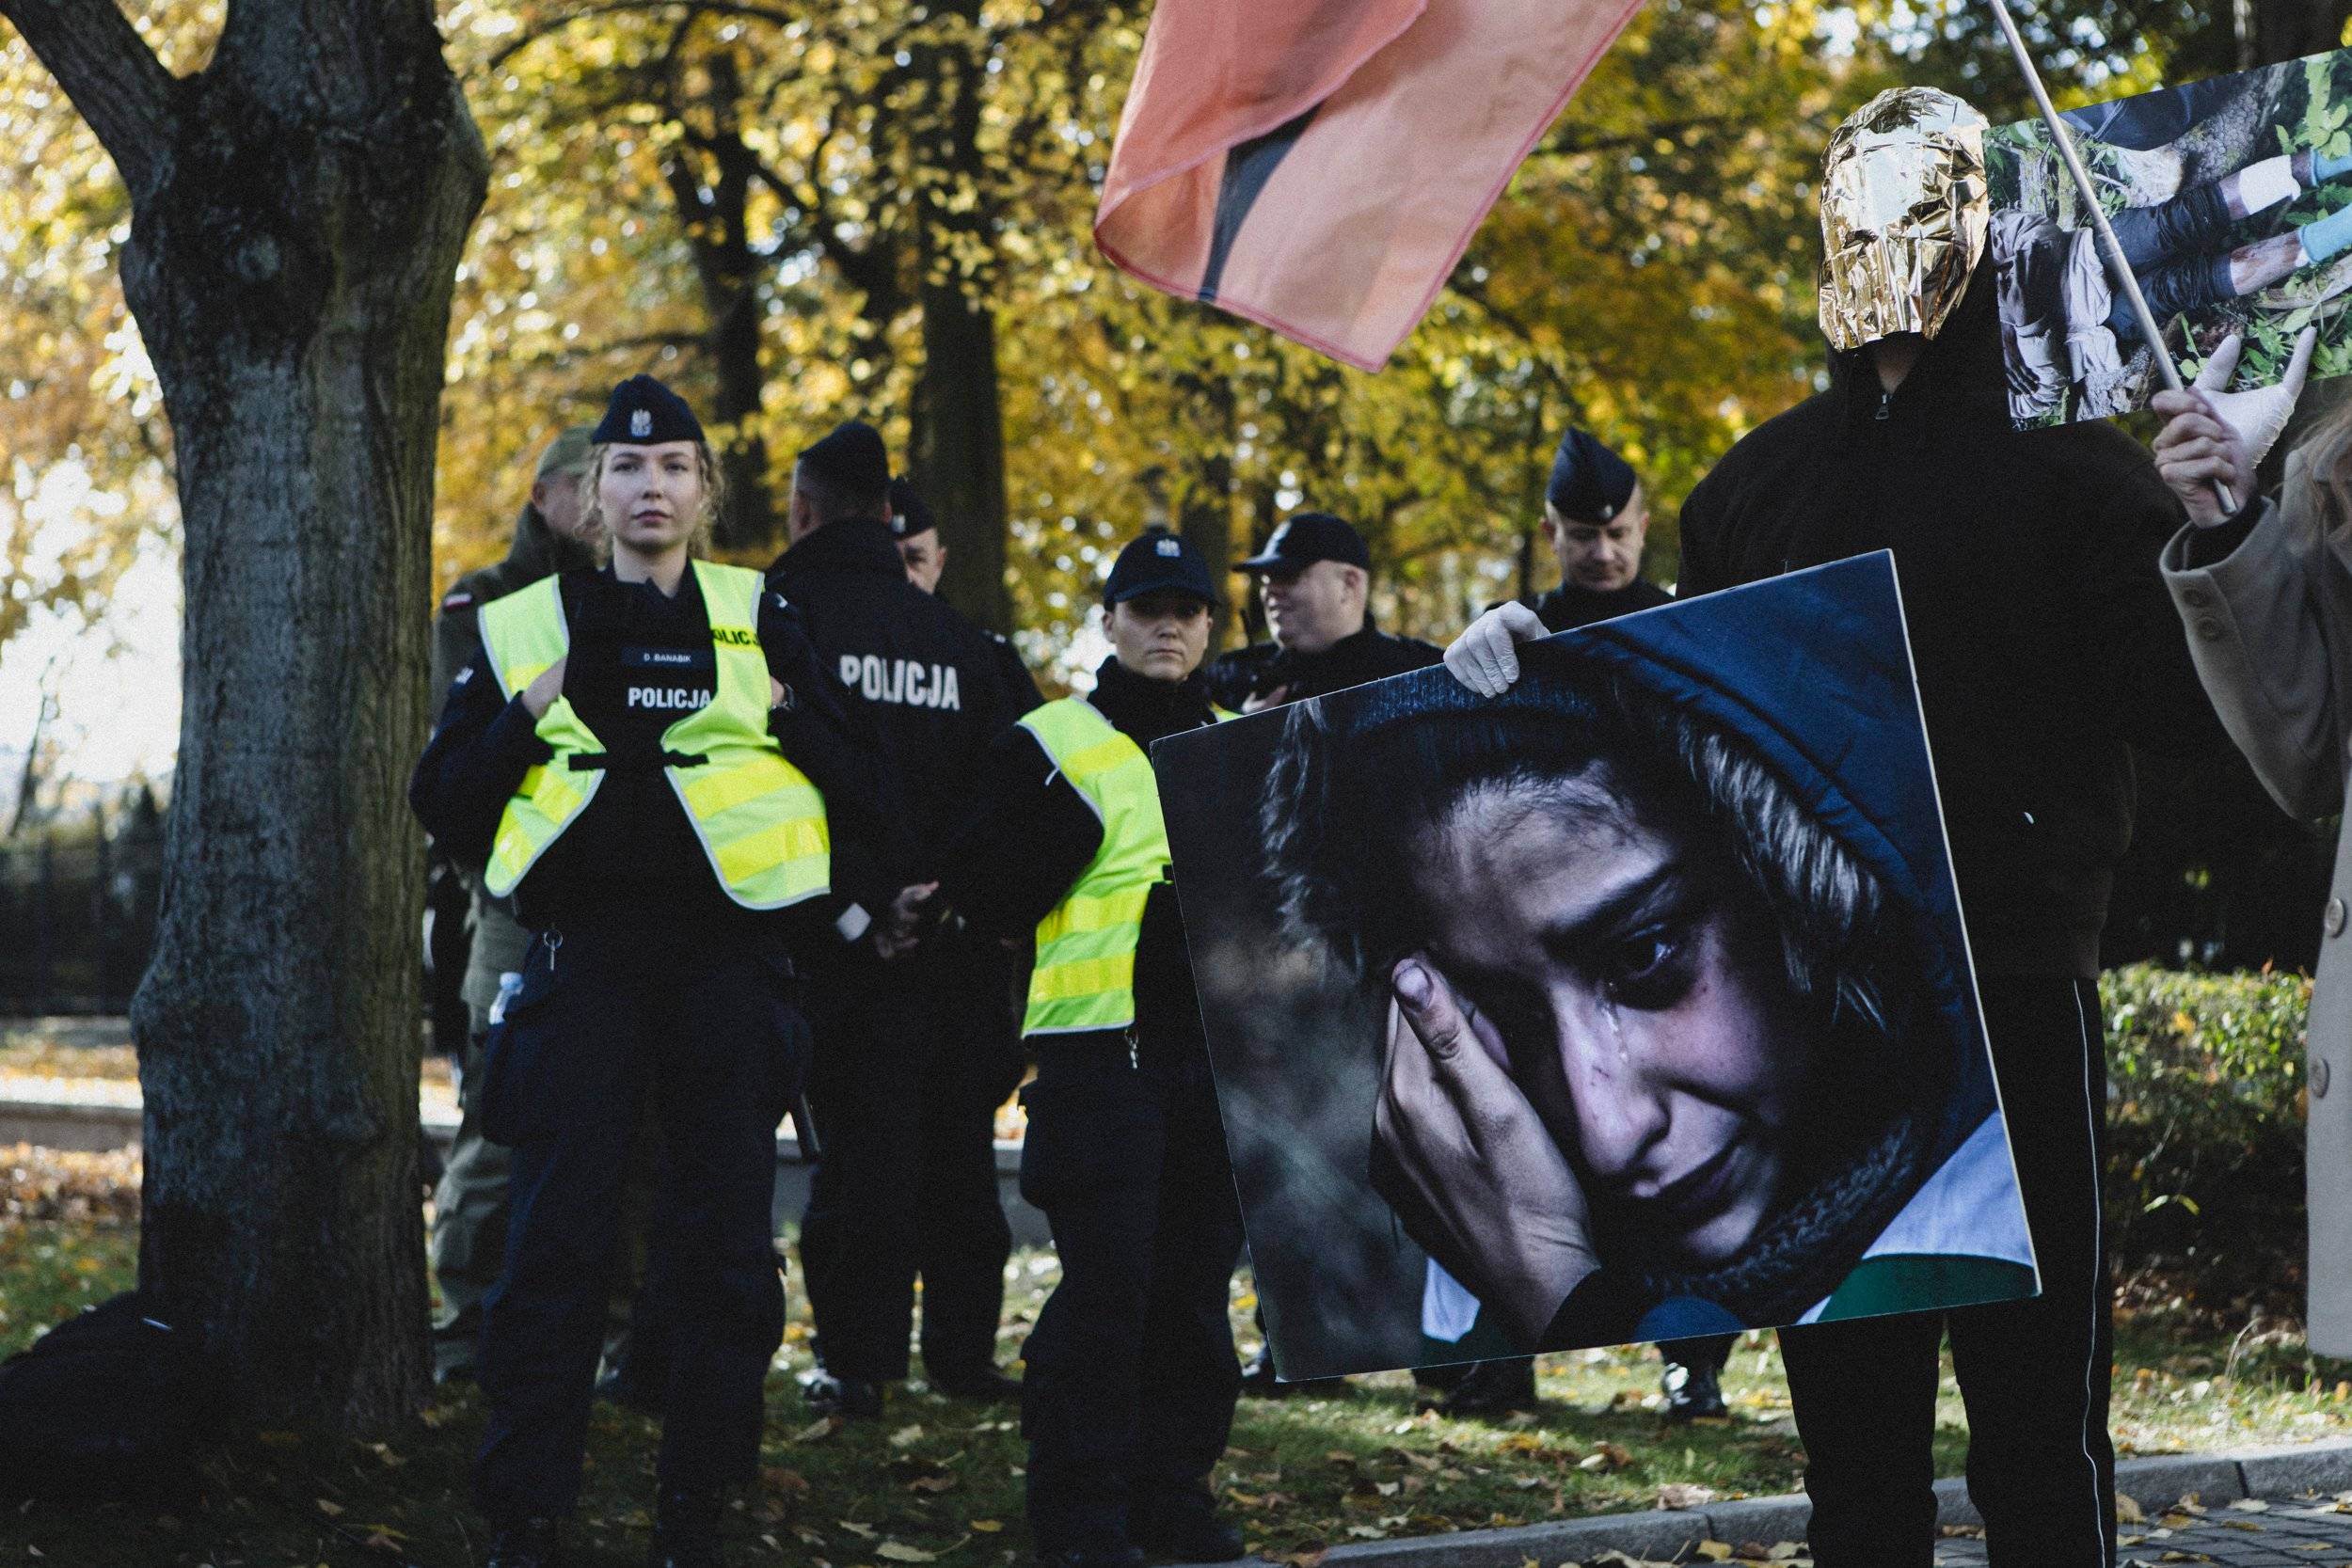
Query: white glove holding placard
x=1484, y=656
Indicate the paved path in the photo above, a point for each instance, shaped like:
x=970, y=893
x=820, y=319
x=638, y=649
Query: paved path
x=2264, y=1533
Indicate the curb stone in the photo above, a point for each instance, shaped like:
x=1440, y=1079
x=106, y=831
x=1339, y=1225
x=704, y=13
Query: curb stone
x=2323, y=1467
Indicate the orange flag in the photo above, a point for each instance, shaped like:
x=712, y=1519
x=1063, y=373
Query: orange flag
x=1319, y=165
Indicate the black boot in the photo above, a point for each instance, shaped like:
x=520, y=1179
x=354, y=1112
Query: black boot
x=1493, y=1388
x=685, y=1529
x=850, y=1398
x=1693, y=1393
x=534, y=1542
x=984, y=1383
x=1184, y=1528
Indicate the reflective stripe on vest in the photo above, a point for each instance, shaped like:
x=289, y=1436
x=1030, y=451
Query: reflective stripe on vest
x=1084, y=976
x=760, y=819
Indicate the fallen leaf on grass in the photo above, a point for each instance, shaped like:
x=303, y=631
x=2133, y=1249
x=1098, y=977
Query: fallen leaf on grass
x=818, y=1431
x=1683, y=1494
x=1714, y=1551
x=330, y=1510
x=905, y=1436
x=987, y=1527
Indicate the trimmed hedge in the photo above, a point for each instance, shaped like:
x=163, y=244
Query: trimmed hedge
x=2205, y=1112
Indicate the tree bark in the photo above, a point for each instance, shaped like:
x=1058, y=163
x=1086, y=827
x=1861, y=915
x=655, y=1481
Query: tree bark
x=957, y=420
x=959, y=457
x=298, y=211
x=713, y=201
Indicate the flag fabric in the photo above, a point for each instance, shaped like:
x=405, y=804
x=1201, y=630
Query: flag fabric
x=1320, y=165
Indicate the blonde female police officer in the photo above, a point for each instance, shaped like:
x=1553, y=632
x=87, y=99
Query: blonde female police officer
x=649, y=758
x=1131, y=1377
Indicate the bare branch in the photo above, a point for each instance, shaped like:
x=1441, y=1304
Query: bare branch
x=110, y=74
x=711, y=7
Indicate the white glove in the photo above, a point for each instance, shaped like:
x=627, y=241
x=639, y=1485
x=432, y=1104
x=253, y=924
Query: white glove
x=1484, y=659
x=2261, y=416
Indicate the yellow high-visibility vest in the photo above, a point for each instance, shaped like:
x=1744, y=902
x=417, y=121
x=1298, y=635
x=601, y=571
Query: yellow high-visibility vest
x=758, y=818
x=1084, y=976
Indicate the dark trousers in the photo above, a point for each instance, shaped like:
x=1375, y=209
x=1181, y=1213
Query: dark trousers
x=1131, y=1378
x=907, y=1080
x=2034, y=1374
x=709, y=1033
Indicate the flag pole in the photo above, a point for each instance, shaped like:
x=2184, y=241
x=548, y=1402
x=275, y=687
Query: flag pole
x=2119, y=270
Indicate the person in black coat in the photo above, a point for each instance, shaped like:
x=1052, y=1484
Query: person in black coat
x=651, y=760
x=1315, y=576
x=2045, y=648
x=902, y=1080
x=1130, y=1376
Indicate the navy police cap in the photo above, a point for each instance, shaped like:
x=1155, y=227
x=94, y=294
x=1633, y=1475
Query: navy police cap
x=1305, y=538
x=1155, y=562
x=1589, y=483
x=644, y=412
x=909, y=515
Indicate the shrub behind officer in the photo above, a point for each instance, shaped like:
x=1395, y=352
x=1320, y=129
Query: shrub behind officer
x=1131, y=1379
x=907, y=1180
x=1597, y=520
x=637, y=755
x=468, y=1236
x=1314, y=578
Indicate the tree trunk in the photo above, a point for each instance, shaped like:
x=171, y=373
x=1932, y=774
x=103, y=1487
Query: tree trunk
x=713, y=207
x=958, y=457
x=298, y=212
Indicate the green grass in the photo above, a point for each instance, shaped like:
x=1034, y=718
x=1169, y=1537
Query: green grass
x=939, y=1480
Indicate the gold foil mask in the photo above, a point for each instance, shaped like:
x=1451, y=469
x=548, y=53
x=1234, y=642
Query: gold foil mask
x=1905, y=208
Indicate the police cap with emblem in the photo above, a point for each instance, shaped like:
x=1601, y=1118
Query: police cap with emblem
x=1589, y=483
x=909, y=516
x=1305, y=538
x=644, y=412
x=1159, y=562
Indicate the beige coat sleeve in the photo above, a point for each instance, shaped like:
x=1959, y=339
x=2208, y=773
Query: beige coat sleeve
x=2261, y=622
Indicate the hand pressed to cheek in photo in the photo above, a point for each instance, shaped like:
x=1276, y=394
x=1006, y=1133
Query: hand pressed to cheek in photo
x=1636, y=995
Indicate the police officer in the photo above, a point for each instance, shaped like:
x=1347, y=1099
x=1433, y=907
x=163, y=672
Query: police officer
x=1130, y=1376
x=637, y=755
x=907, y=1179
x=1597, y=520
x=1314, y=578
x=925, y=552
x=468, y=1235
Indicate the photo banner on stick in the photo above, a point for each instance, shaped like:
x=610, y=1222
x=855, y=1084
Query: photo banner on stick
x=1318, y=166
x=2231, y=197
x=1631, y=1005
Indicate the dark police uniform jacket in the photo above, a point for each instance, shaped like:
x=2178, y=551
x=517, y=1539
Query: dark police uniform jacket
x=1571, y=604
x=639, y=662
x=929, y=681
x=1259, y=671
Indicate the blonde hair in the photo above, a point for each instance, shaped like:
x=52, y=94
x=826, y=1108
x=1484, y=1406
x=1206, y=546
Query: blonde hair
x=714, y=482
x=2326, y=454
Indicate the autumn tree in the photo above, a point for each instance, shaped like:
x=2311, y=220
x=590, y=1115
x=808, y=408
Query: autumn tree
x=297, y=204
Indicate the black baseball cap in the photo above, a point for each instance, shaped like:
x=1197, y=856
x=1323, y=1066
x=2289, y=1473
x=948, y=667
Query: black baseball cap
x=642, y=412
x=1589, y=483
x=1159, y=560
x=1305, y=538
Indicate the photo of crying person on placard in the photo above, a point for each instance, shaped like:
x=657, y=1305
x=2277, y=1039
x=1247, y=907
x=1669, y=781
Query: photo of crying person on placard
x=1671, y=1025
